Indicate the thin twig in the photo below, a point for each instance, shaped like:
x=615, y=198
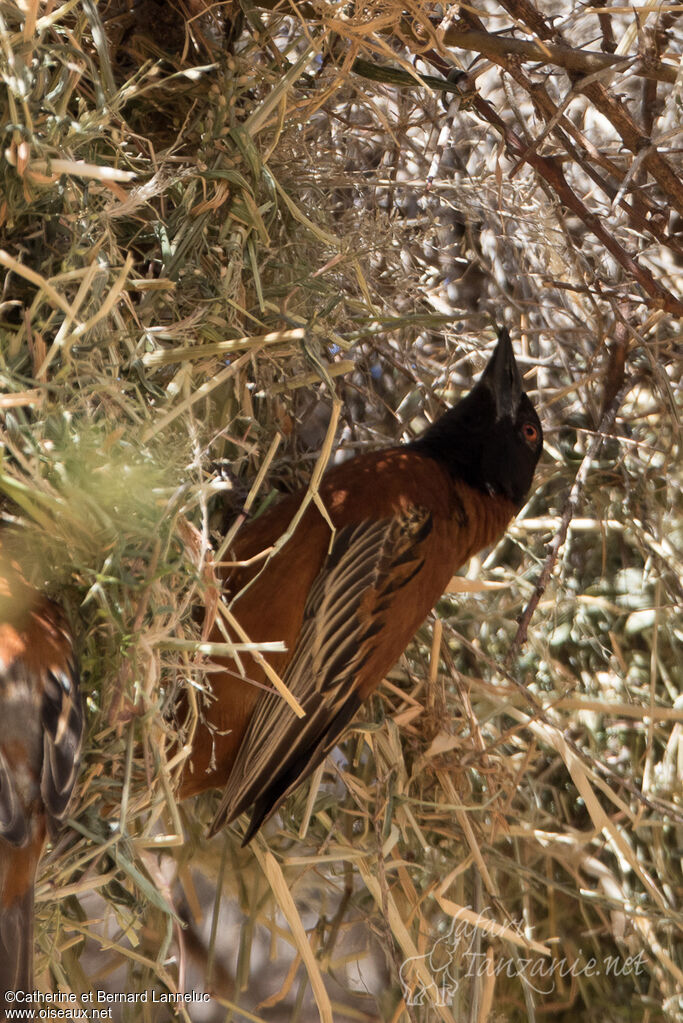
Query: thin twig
x=570, y=508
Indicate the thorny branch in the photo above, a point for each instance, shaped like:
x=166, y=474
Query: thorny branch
x=431, y=40
x=550, y=169
x=605, y=425
x=612, y=107
x=579, y=61
x=494, y=46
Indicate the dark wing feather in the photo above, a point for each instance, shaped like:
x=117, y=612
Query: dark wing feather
x=43, y=719
x=62, y=716
x=41, y=725
x=20, y=750
x=345, y=608
x=13, y=827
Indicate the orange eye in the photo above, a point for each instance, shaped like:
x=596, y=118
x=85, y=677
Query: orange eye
x=530, y=433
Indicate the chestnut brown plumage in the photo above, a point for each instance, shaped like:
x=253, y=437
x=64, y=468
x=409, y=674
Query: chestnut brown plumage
x=41, y=726
x=346, y=603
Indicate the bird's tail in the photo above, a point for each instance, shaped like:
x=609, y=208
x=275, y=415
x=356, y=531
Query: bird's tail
x=17, y=880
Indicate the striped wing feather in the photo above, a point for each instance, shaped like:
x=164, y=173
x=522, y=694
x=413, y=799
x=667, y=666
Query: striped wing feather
x=41, y=727
x=62, y=716
x=346, y=606
x=44, y=706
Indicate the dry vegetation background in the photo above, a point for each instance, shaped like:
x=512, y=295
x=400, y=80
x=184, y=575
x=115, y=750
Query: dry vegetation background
x=184, y=188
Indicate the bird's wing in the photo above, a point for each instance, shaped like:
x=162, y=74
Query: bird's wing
x=349, y=603
x=40, y=700
x=62, y=717
x=41, y=725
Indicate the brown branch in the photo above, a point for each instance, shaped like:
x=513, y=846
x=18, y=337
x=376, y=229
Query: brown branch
x=651, y=105
x=571, y=506
x=550, y=170
x=524, y=12
x=609, y=43
x=643, y=213
x=635, y=140
x=427, y=36
x=616, y=359
x=583, y=62
x=493, y=46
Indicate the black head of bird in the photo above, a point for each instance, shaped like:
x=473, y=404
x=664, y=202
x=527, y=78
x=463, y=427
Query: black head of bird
x=492, y=439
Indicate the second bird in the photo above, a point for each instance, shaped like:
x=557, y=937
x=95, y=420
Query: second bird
x=406, y=518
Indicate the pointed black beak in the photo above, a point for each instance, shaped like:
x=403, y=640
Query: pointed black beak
x=502, y=377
